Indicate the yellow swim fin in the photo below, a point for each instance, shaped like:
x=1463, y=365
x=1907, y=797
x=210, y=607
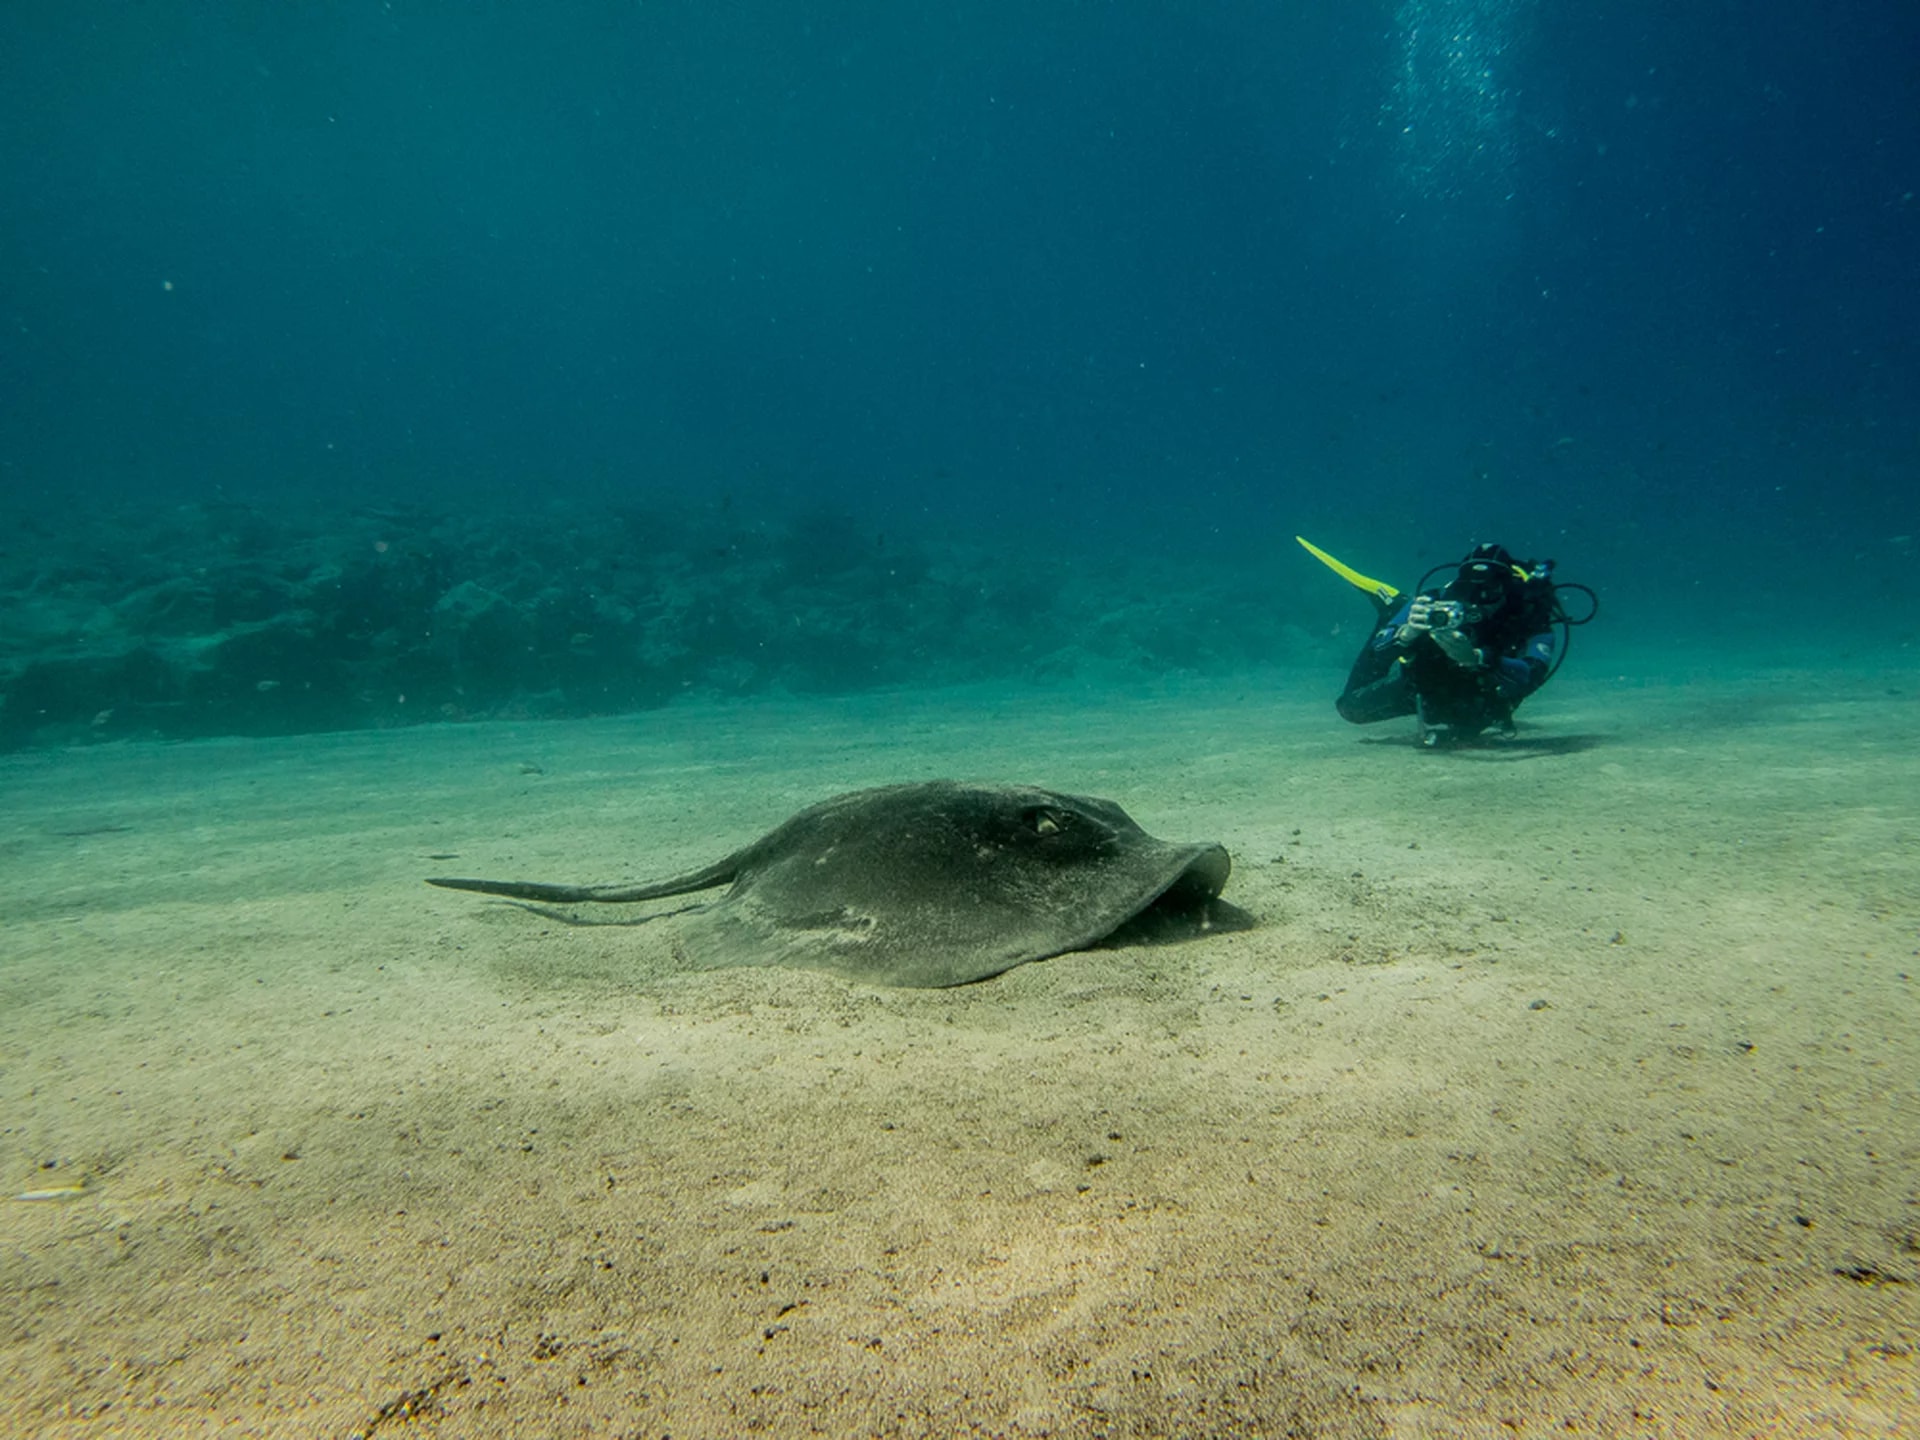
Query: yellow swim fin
x=1381, y=593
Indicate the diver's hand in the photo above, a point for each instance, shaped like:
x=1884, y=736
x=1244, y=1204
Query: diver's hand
x=1419, y=620
x=1455, y=645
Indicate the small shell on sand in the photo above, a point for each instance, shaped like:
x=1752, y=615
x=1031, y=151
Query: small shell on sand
x=58, y=1192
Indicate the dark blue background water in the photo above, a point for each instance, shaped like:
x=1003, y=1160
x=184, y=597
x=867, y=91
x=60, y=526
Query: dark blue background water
x=1633, y=284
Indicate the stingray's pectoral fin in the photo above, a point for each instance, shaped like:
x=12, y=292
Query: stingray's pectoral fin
x=1187, y=908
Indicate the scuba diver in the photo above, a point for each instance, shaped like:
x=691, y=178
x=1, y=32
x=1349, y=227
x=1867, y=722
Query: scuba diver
x=1460, y=657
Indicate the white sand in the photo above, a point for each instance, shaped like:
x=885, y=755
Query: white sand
x=1562, y=1090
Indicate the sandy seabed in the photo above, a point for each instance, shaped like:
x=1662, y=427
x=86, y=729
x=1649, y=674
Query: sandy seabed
x=1565, y=1087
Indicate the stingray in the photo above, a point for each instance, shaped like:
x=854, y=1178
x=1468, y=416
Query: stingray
x=932, y=884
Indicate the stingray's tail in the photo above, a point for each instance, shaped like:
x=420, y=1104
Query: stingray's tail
x=718, y=873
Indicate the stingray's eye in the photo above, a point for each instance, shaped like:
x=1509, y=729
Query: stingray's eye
x=1045, y=822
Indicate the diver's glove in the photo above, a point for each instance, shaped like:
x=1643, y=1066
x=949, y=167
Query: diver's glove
x=1455, y=645
x=1419, y=621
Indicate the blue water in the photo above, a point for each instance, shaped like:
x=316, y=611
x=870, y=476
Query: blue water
x=1628, y=285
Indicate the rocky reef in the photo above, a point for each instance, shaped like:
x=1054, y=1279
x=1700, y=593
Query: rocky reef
x=222, y=619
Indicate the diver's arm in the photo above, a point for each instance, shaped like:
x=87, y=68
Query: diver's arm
x=1517, y=675
x=1388, y=635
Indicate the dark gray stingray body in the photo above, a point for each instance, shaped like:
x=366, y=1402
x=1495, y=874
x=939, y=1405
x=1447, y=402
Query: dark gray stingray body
x=930, y=884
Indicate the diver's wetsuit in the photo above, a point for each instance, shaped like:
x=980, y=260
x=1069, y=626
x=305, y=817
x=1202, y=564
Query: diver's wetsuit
x=1390, y=679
